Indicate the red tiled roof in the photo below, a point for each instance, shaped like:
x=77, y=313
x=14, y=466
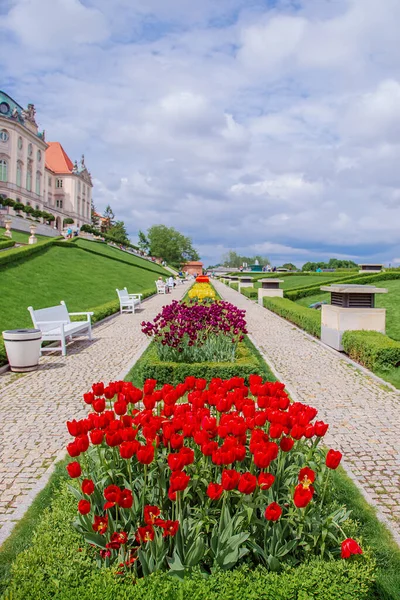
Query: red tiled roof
x=57, y=160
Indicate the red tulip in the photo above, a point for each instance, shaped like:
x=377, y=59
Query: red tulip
x=273, y=512
x=178, y=481
x=265, y=480
x=150, y=514
x=145, y=454
x=333, y=459
x=214, y=491
x=230, y=479
x=306, y=476
x=96, y=436
x=87, y=487
x=349, y=547
x=286, y=444
x=247, y=483
x=321, y=428
x=74, y=470
x=84, y=507
x=302, y=496
x=100, y=524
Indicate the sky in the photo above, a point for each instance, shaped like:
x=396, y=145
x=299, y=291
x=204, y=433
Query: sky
x=266, y=127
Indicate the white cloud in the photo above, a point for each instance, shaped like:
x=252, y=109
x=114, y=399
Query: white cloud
x=245, y=126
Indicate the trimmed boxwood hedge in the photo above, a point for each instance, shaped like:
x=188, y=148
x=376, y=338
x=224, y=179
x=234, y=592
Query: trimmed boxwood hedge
x=58, y=566
x=234, y=285
x=308, y=319
x=372, y=349
x=250, y=292
x=18, y=254
x=6, y=244
x=248, y=361
x=311, y=290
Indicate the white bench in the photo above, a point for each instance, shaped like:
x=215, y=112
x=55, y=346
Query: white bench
x=55, y=324
x=161, y=287
x=127, y=302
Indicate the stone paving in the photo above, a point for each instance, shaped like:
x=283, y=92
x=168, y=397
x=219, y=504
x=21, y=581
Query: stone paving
x=363, y=413
x=35, y=406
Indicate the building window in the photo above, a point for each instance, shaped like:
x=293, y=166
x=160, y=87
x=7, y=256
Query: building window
x=28, y=203
x=39, y=156
x=20, y=143
x=49, y=181
x=19, y=174
x=79, y=187
x=29, y=179
x=4, y=135
x=59, y=183
x=59, y=203
x=37, y=207
x=3, y=170
x=84, y=189
x=30, y=150
x=79, y=207
x=38, y=183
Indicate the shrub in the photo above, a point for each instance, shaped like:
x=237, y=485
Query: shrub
x=8, y=202
x=234, y=285
x=306, y=318
x=58, y=567
x=249, y=292
x=37, y=214
x=28, y=210
x=372, y=349
x=6, y=244
x=246, y=362
x=69, y=221
x=18, y=206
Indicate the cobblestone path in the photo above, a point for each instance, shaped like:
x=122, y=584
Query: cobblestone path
x=364, y=415
x=34, y=407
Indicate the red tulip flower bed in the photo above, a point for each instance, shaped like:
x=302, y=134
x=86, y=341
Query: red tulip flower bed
x=203, y=474
x=202, y=279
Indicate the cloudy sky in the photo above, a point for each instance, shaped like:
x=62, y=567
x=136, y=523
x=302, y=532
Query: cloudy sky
x=263, y=126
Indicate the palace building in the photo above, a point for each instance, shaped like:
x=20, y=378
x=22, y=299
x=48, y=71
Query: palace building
x=37, y=173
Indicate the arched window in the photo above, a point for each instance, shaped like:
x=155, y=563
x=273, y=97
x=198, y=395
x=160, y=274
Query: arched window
x=19, y=173
x=38, y=183
x=29, y=179
x=3, y=170
x=4, y=135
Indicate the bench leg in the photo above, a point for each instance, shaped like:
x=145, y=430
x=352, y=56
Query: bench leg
x=90, y=333
x=63, y=347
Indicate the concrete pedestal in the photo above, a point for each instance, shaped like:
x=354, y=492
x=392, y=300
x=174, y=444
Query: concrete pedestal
x=262, y=292
x=245, y=282
x=335, y=320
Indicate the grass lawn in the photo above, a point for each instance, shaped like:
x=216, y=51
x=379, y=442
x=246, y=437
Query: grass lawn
x=85, y=280
x=390, y=301
x=22, y=237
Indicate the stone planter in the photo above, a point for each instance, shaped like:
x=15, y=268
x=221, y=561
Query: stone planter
x=270, y=288
x=23, y=349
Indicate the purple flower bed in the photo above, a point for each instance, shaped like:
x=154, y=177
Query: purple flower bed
x=197, y=332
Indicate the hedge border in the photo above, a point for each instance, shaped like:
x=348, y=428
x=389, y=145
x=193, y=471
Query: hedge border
x=308, y=319
x=372, y=349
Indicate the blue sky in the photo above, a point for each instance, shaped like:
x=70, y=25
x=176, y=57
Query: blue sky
x=264, y=127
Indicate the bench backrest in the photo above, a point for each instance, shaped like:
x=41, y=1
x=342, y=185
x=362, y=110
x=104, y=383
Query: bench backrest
x=160, y=283
x=123, y=294
x=57, y=313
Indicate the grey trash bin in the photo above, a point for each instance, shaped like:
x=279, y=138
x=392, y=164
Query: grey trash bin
x=23, y=349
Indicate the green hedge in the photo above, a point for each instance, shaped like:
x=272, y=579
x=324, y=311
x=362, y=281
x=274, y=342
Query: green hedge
x=6, y=244
x=249, y=361
x=311, y=290
x=372, y=349
x=58, y=566
x=308, y=319
x=250, y=292
x=234, y=285
x=109, y=308
x=18, y=254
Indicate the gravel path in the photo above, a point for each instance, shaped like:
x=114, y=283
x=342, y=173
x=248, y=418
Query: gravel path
x=363, y=413
x=35, y=406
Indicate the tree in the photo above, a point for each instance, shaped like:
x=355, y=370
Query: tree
x=94, y=217
x=144, y=243
x=171, y=245
x=109, y=218
x=290, y=266
x=118, y=233
x=234, y=260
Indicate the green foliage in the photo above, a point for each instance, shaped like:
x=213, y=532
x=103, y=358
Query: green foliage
x=234, y=260
x=20, y=254
x=58, y=567
x=372, y=349
x=118, y=233
x=18, y=206
x=334, y=263
x=7, y=202
x=93, y=215
x=170, y=245
x=248, y=361
x=143, y=243
x=6, y=244
x=68, y=221
x=289, y=266
x=250, y=292
x=234, y=285
x=109, y=216
x=306, y=318
x=108, y=236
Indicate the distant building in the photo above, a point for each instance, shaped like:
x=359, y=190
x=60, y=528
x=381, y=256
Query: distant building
x=193, y=267
x=37, y=173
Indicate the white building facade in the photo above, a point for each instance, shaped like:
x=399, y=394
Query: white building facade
x=40, y=174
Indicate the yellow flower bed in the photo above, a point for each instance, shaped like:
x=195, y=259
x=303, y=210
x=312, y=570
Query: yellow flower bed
x=201, y=291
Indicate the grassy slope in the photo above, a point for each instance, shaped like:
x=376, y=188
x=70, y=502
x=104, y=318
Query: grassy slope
x=23, y=236
x=84, y=280
x=390, y=301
